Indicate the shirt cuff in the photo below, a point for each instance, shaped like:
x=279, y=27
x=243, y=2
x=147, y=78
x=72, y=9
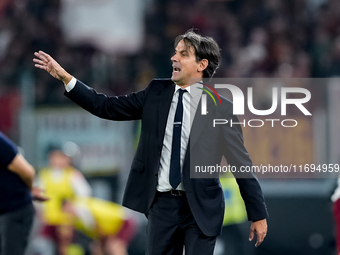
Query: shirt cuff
x=69, y=86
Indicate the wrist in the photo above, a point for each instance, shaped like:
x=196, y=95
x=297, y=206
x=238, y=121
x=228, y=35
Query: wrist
x=66, y=78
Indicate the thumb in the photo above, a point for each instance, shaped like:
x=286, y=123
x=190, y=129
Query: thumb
x=251, y=234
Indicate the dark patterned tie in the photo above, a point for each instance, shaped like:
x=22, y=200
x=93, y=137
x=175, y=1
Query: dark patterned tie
x=175, y=165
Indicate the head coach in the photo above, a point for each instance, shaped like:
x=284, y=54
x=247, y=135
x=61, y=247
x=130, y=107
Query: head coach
x=182, y=211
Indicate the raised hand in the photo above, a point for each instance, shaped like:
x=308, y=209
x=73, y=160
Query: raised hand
x=47, y=63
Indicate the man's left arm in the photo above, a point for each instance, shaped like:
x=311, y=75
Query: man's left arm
x=237, y=156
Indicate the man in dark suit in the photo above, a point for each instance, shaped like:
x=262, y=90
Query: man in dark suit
x=181, y=211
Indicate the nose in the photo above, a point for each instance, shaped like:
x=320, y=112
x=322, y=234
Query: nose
x=174, y=58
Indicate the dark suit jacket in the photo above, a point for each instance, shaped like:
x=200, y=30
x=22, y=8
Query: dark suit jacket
x=208, y=144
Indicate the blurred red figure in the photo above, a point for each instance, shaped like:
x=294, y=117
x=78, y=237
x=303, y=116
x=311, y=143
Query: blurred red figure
x=336, y=212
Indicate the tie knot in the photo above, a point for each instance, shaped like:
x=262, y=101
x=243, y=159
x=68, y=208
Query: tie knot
x=181, y=91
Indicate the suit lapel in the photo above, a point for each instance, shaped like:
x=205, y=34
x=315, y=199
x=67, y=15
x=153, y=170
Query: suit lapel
x=164, y=104
x=200, y=120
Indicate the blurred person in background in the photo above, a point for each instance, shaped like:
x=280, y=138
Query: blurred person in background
x=182, y=212
x=336, y=213
x=16, y=194
x=61, y=181
x=108, y=224
x=235, y=222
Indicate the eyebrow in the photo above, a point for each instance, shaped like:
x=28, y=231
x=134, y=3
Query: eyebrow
x=183, y=51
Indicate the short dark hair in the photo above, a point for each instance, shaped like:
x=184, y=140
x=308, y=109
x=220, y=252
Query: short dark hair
x=205, y=48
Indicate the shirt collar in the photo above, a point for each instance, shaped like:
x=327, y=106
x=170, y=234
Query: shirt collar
x=192, y=89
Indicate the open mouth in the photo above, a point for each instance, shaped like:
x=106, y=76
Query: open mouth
x=176, y=69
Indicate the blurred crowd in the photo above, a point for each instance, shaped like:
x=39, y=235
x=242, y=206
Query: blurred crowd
x=266, y=38
x=258, y=39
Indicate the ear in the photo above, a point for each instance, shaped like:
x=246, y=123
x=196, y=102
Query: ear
x=202, y=65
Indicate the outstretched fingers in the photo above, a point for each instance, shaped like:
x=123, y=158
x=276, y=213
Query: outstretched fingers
x=38, y=61
x=42, y=59
x=41, y=67
x=43, y=56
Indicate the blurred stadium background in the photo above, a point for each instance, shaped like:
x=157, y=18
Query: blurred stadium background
x=118, y=46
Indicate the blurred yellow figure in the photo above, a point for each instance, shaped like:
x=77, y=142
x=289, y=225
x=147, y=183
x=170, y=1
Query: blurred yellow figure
x=106, y=222
x=235, y=210
x=234, y=232
x=61, y=182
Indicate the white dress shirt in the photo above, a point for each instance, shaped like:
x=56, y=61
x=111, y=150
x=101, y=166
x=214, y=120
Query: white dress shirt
x=71, y=84
x=190, y=102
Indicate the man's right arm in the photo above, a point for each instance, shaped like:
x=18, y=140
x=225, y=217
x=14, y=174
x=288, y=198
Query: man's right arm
x=14, y=162
x=127, y=107
x=47, y=63
x=21, y=167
